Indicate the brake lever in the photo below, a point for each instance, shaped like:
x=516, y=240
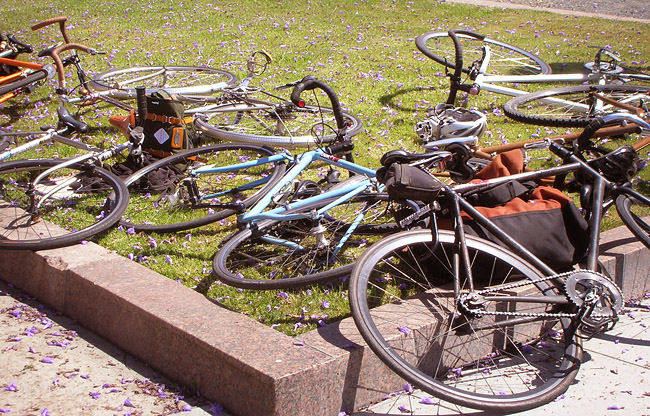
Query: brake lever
x=288, y=85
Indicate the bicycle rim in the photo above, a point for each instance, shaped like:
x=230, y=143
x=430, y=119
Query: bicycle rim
x=289, y=254
x=635, y=213
x=505, y=59
x=401, y=295
x=573, y=106
x=177, y=193
x=121, y=83
x=67, y=206
x=276, y=125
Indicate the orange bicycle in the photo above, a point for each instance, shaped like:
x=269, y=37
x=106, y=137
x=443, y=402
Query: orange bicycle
x=22, y=77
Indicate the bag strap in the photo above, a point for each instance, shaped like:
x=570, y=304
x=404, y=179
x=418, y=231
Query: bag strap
x=502, y=193
x=169, y=119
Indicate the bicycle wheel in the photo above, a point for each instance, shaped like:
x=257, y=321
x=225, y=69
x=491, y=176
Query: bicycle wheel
x=287, y=254
x=505, y=355
x=282, y=125
x=179, y=192
x=121, y=83
x=505, y=59
x=635, y=213
x=573, y=106
x=65, y=207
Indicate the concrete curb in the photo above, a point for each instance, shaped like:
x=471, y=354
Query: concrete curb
x=229, y=358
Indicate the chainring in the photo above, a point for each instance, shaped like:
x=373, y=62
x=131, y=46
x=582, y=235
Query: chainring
x=582, y=283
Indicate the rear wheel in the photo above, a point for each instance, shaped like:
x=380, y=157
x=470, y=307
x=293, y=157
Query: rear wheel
x=199, y=186
x=489, y=351
x=64, y=207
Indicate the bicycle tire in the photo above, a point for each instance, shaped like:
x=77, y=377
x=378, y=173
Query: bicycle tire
x=22, y=82
x=281, y=125
x=402, y=301
x=177, y=203
x=570, y=106
x=176, y=80
x=84, y=199
x=506, y=59
x=634, y=213
x=247, y=261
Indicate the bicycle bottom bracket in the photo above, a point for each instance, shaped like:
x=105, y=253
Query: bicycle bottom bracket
x=598, y=298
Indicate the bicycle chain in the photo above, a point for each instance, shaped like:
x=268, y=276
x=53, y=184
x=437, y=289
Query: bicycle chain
x=528, y=314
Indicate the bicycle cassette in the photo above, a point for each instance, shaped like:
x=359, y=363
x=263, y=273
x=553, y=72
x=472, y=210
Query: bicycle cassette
x=595, y=289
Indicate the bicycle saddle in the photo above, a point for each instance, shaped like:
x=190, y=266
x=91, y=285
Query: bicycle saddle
x=401, y=156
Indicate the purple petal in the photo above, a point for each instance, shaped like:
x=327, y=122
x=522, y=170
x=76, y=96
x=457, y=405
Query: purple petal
x=5, y=410
x=47, y=360
x=615, y=407
x=128, y=403
x=11, y=387
x=403, y=409
x=404, y=329
x=95, y=395
x=428, y=400
x=216, y=409
x=45, y=412
x=187, y=408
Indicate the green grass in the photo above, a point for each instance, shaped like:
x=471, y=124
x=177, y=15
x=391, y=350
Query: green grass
x=365, y=50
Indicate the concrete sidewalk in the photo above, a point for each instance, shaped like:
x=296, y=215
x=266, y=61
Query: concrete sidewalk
x=613, y=379
x=52, y=366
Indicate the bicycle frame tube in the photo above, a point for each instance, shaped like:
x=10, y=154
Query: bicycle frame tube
x=340, y=195
x=48, y=136
x=487, y=82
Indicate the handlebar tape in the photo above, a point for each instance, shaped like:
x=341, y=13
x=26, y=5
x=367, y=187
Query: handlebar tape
x=309, y=83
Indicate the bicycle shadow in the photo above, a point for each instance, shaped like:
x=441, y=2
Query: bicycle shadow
x=403, y=100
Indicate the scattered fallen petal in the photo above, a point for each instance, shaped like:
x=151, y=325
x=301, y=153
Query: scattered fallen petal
x=404, y=330
x=95, y=395
x=216, y=409
x=11, y=387
x=428, y=400
x=128, y=403
x=47, y=360
x=403, y=409
x=615, y=407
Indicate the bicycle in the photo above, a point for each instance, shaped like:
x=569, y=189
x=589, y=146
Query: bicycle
x=265, y=189
x=493, y=63
x=52, y=203
x=23, y=76
x=116, y=84
x=485, y=325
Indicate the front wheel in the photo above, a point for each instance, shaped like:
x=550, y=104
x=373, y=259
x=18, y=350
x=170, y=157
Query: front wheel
x=121, y=83
x=574, y=106
x=635, y=212
x=505, y=59
x=65, y=206
x=503, y=351
x=287, y=254
x=281, y=125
